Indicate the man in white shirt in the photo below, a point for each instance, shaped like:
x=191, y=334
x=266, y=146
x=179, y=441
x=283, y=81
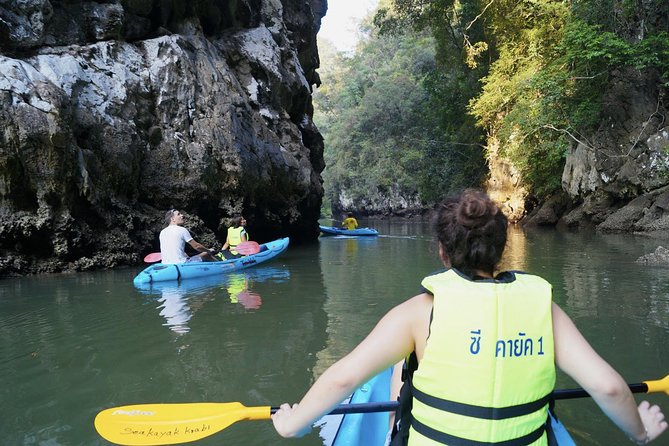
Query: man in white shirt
x=173, y=239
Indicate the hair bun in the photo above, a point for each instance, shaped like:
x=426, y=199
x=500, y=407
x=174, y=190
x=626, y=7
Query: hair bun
x=475, y=209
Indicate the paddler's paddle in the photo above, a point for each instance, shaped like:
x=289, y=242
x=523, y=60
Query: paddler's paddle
x=659, y=385
x=248, y=248
x=244, y=248
x=162, y=424
x=153, y=257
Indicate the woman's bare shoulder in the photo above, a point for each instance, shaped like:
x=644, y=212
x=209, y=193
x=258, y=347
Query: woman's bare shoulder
x=423, y=300
x=417, y=308
x=416, y=302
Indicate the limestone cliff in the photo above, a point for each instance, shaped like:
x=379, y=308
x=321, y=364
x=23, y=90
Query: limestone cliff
x=626, y=161
x=617, y=179
x=615, y=175
x=112, y=112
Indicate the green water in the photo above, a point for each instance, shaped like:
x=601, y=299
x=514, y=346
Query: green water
x=72, y=345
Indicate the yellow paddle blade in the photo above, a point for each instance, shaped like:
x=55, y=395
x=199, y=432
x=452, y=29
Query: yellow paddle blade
x=162, y=424
x=659, y=385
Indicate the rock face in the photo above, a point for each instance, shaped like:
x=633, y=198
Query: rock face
x=620, y=179
x=659, y=257
x=504, y=185
x=111, y=113
x=389, y=202
x=616, y=179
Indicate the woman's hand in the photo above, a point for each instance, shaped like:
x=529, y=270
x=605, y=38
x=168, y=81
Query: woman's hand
x=283, y=420
x=653, y=420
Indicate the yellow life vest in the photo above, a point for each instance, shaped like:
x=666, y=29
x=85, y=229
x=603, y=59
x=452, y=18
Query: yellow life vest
x=235, y=237
x=350, y=223
x=488, y=369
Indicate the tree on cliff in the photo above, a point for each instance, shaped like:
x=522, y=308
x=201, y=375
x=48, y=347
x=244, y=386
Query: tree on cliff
x=381, y=112
x=544, y=66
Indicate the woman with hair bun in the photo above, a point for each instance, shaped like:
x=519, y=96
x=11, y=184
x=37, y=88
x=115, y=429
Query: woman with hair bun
x=482, y=350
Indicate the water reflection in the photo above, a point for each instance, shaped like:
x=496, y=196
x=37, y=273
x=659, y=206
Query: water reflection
x=363, y=278
x=238, y=290
x=174, y=308
x=351, y=247
x=515, y=251
x=179, y=300
x=74, y=344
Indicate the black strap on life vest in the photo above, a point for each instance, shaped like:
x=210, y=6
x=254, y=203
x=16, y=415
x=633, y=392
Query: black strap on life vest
x=452, y=440
x=400, y=434
x=481, y=412
x=486, y=413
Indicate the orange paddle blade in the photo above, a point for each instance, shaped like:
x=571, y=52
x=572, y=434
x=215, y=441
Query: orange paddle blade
x=163, y=424
x=153, y=257
x=248, y=248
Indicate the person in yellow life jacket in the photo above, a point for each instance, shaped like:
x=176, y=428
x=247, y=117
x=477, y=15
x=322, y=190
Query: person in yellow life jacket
x=236, y=235
x=483, y=348
x=349, y=222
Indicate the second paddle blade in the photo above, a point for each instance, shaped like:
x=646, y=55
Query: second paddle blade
x=163, y=424
x=153, y=257
x=248, y=248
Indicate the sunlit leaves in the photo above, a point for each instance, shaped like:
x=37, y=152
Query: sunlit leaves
x=544, y=91
x=383, y=117
x=530, y=74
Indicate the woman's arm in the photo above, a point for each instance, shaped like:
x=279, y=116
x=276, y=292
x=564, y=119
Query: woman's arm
x=578, y=359
x=391, y=340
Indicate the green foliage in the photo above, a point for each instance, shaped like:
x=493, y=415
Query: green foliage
x=544, y=91
x=383, y=117
x=528, y=74
x=588, y=50
x=326, y=208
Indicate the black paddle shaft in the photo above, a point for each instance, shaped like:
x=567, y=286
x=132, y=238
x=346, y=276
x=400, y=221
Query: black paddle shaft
x=567, y=394
x=383, y=406
x=391, y=406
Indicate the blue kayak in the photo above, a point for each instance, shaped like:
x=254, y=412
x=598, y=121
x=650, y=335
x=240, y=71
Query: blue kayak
x=332, y=230
x=200, y=285
x=160, y=272
x=371, y=429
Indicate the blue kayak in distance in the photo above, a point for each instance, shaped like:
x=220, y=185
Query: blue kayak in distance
x=332, y=230
x=371, y=429
x=166, y=272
